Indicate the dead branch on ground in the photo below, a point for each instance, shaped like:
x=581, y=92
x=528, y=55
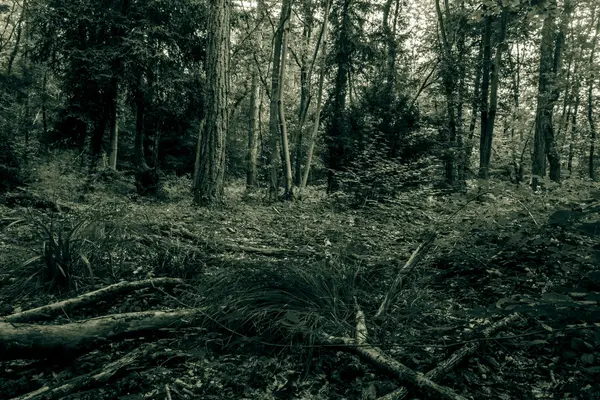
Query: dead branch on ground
x=86, y=299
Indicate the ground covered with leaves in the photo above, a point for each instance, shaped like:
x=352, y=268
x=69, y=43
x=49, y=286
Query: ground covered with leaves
x=273, y=278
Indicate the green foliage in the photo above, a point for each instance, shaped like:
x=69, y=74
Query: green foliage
x=102, y=50
x=68, y=250
x=11, y=92
x=374, y=176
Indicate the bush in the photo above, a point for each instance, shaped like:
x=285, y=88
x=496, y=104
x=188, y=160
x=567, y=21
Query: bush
x=375, y=176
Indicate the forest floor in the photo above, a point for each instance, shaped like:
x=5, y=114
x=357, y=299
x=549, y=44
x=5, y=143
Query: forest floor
x=499, y=250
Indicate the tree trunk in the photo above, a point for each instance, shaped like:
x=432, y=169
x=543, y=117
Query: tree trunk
x=274, y=104
x=198, y=151
x=252, y=150
x=285, y=148
x=305, y=79
x=573, y=130
x=114, y=132
x=315, y=130
x=335, y=143
x=487, y=122
x=211, y=173
x=449, y=134
x=15, y=50
x=590, y=108
x=548, y=91
x=475, y=107
x=139, y=156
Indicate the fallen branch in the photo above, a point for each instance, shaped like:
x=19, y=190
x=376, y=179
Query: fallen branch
x=101, y=375
x=414, y=259
x=47, y=311
x=380, y=360
x=447, y=365
x=28, y=341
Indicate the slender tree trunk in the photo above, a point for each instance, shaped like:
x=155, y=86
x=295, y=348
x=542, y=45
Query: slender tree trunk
x=590, y=108
x=139, y=156
x=211, y=173
x=198, y=153
x=449, y=87
x=252, y=150
x=475, y=107
x=574, y=133
x=45, y=139
x=285, y=148
x=114, y=131
x=315, y=130
x=335, y=143
x=15, y=49
x=488, y=117
x=485, y=88
x=305, y=78
x=274, y=104
x=548, y=92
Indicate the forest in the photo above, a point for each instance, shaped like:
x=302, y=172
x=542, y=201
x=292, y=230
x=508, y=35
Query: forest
x=299, y=199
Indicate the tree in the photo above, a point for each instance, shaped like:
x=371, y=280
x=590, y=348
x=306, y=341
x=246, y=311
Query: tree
x=339, y=119
x=590, y=106
x=210, y=186
x=276, y=90
x=316, y=124
x=551, y=48
x=489, y=108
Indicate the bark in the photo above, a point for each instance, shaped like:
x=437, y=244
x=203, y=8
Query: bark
x=86, y=299
x=274, y=103
x=488, y=116
x=45, y=139
x=285, y=148
x=211, y=173
x=574, y=133
x=315, y=130
x=475, y=107
x=198, y=152
x=30, y=341
x=139, y=156
x=548, y=91
x=590, y=108
x=114, y=132
x=252, y=150
x=255, y=107
x=305, y=97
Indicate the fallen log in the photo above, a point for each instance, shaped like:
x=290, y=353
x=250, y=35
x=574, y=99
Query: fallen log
x=102, y=375
x=86, y=299
x=28, y=341
x=447, y=365
x=376, y=357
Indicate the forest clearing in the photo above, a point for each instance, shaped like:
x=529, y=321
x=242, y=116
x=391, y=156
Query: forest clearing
x=299, y=199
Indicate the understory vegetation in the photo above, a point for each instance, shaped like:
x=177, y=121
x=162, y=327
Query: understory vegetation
x=267, y=281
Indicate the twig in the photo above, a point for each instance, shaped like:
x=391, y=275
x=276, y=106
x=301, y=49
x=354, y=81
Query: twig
x=468, y=349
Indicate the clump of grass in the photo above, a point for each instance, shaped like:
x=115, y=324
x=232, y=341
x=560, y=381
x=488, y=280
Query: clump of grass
x=69, y=251
x=285, y=302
